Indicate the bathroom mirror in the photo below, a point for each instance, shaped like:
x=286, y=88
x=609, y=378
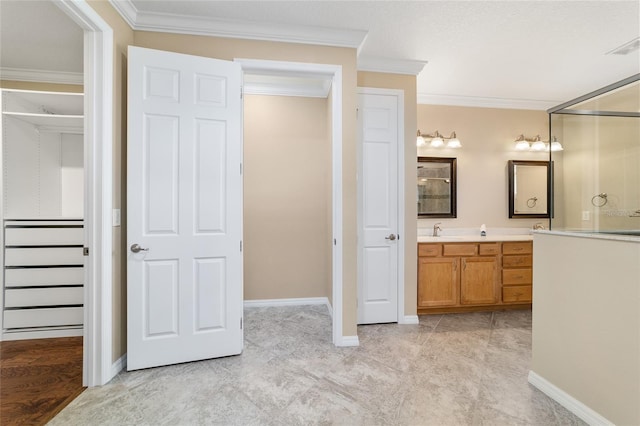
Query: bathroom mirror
x=436, y=187
x=529, y=189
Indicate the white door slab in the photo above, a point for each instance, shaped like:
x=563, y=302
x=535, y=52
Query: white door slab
x=378, y=209
x=184, y=200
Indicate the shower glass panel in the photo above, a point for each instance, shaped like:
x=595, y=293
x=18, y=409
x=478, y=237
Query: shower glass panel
x=596, y=185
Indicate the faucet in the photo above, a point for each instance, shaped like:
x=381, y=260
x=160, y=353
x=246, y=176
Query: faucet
x=436, y=228
x=538, y=226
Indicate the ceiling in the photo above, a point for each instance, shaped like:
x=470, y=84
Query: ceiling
x=528, y=54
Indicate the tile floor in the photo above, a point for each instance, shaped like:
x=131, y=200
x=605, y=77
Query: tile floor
x=461, y=369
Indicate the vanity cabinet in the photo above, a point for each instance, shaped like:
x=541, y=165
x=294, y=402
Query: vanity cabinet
x=459, y=277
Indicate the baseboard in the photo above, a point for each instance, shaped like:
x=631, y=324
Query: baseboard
x=41, y=334
x=260, y=303
x=119, y=365
x=346, y=341
x=409, y=319
x=587, y=414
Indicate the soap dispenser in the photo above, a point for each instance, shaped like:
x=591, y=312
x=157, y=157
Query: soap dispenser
x=483, y=230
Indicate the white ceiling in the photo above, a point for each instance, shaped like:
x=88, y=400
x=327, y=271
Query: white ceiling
x=530, y=54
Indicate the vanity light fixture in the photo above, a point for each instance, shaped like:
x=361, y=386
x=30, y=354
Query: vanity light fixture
x=436, y=140
x=536, y=144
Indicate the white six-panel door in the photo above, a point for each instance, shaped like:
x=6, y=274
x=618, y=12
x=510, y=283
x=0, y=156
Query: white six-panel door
x=378, y=209
x=184, y=203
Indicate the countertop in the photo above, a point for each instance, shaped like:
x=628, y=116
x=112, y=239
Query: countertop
x=473, y=238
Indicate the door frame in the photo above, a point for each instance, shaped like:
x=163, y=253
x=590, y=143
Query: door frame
x=97, y=367
x=333, y=73
x=399, y=94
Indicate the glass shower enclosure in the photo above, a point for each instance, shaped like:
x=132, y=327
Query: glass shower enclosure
x=596, y=175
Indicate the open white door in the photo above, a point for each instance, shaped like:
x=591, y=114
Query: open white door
x=378, y=209
x=184, y=201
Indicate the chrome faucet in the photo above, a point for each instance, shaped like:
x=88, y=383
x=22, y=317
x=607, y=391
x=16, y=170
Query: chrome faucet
x=436, y=228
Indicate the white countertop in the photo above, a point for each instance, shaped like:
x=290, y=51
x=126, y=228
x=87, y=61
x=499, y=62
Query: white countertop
x=593, y=235
x=473, y=238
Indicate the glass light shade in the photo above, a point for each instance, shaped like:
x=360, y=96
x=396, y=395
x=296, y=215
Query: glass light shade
x=538, y=146
x=437, y=142
x=522, y=146
x=454, y=143
x=420, y=141
x=556, y=146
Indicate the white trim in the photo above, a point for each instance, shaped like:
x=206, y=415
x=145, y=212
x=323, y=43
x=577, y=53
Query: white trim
x=98, y=113
x=348, y=341
x=479, y=102
x=250, y=30
x=399, y=94
x=334, y=72
x=410, y=319
x=567, y=401
x=389, y=65
x=312, y=88
x=41, y=76
x=261, y=303
x=119, y=365
x=41, y=334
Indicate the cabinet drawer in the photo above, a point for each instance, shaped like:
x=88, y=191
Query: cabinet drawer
x=488, y=249
x=45, y=317
x=520, y=247
x=517, y=261
x=32, y=277
x=43, y=256
x=56, y=296
x=516, y=293
x=429, y=249
x=516, y=276
x=460, y=249
x=43, y=236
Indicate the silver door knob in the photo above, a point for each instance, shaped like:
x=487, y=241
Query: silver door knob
x=391, y=237
x=137, y=249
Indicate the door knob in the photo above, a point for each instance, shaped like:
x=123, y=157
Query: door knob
x=391, y=237
x=137, y=249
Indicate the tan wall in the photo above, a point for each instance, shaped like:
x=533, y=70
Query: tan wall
x=586, y=322
x=407, y=83
x=487, y=136
x=123, y=36
x=45, y=87
x=287, y=183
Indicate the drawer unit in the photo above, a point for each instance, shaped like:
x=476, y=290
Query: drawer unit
x=33, y=277
x=516, y=276
x=429, y=250
x=64, y=235
x=520, y=247
x=459, y=249
x=517, y=273
x=525, y=261
x=486, y=249
x=50, y=296
x=516, y=293
x=37, y=256
x=45, y=317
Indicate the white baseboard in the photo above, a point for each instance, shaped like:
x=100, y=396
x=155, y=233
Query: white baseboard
x=346, y=341
x=587, y=414
x=41, y=334
x=409, y=319
x=260, y=303
x=119, y=365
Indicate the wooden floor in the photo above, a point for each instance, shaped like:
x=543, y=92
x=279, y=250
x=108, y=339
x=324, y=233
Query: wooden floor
x=38, y=378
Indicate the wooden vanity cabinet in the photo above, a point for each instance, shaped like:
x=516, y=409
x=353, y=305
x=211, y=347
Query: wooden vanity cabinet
x=459, y=277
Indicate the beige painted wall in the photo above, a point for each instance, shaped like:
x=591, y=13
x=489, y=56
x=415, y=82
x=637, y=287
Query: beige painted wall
x=287, y=184
x=586, y=322
x=487, y=136
x=407, y=83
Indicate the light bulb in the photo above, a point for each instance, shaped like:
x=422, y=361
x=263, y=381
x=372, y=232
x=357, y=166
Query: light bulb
x=522, y=146
x=437, y=142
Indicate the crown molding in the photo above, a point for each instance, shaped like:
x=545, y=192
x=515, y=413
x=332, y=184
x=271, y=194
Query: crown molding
x=389, y=65
x=197, y=25
x=41, y=76
x=479, y=102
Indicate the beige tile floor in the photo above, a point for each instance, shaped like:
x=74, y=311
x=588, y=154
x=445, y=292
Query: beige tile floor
x=461, y=369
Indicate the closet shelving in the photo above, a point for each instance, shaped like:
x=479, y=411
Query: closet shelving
x=42, y=204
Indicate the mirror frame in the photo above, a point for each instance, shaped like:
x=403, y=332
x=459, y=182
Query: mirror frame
x=512, y=168
x=454, y=185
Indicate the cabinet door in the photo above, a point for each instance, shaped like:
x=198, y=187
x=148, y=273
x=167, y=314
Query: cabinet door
x=438, y=281
x=479, y=280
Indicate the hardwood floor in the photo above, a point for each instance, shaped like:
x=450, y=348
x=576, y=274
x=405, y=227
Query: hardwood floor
x=38, y=378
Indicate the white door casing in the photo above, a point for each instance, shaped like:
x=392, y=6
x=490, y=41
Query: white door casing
x=184, y=199
x=378, y=206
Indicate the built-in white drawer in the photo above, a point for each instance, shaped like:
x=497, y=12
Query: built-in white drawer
x=31, y=277
x=52, y=296
x=43, y=236
x=43, y=256
x=45, y=317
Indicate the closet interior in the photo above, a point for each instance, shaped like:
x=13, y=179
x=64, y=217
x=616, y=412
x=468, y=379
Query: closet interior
x=43, y=210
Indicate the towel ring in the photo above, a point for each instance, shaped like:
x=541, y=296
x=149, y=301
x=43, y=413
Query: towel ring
x=531, y=202
x=599, y=200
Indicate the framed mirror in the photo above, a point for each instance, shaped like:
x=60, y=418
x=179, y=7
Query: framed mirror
x=436, y=187
x=529, y=189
